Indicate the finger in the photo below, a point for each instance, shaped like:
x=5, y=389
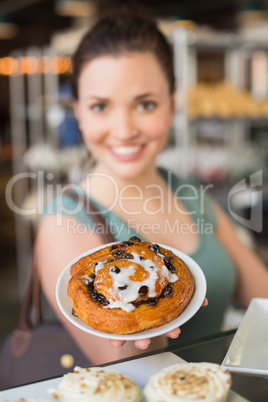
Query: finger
x=174, y=333
x=205, y=302
x=142, y=343
x=116, y=343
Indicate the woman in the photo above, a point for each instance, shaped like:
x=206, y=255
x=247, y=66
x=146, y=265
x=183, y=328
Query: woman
x=124, y=102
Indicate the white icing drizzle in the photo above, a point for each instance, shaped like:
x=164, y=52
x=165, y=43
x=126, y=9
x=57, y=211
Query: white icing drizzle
x=86, y=276
x=173, y=277
x=131, y=293
x=98, y=266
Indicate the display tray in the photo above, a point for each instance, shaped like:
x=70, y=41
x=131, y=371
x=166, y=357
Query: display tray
x=140, y=370
x=248, y=352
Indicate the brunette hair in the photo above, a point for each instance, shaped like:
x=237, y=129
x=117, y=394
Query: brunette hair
x=119, y=32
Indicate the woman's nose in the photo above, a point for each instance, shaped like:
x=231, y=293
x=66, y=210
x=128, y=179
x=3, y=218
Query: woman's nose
x=125, y=127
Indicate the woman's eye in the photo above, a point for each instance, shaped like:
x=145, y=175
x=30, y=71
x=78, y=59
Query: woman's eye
x=98, y=107
x=146, y=105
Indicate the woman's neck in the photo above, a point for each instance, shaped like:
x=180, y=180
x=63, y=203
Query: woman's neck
x=151, y=176
x=106, y=188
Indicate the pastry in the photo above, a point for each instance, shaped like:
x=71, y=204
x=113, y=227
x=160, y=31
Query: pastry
x=221, y=100
x=129, y=287
x=96, y=384
x=206, y=382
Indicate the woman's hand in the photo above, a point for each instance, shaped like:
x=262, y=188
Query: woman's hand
x=144, y=343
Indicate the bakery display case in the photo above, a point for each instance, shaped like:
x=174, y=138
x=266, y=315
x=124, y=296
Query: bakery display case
x=222, y=102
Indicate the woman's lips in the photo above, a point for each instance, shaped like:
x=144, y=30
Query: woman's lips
x=127, y=153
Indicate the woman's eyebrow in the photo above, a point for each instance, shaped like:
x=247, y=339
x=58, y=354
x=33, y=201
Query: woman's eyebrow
x=96, y=97
x=103, y=99
x=145, y=95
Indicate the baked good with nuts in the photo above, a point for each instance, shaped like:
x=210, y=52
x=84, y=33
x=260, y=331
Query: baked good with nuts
x=206, y=382
x=96, y=384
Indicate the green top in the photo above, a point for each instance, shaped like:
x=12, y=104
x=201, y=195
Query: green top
x=209, y=255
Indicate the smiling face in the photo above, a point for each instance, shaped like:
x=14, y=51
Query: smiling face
x=124, y=110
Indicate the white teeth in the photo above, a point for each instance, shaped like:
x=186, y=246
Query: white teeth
x=127, y=150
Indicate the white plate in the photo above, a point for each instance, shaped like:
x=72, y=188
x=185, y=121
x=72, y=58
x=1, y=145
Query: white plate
x=194, y=305
x=248, y=352
x=140, y=370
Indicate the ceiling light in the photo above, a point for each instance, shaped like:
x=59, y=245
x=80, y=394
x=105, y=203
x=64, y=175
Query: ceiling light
x=75, y=8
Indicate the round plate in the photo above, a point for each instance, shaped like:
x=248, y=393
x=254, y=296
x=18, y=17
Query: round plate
x=193, y=306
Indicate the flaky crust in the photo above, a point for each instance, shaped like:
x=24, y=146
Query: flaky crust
x=89, y=290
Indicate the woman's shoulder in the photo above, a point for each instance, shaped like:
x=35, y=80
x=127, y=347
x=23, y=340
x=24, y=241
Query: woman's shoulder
x=59, y=236
x=72, y=203
x=61, y=203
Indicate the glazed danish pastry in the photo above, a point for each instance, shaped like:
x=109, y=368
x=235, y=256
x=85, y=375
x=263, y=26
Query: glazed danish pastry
x=129, y=287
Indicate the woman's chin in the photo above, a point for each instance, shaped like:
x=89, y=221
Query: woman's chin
x=126, y=173
x=126, y=170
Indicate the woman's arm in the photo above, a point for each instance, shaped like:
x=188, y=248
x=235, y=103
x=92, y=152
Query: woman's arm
x=251, y=272
x=56, y=245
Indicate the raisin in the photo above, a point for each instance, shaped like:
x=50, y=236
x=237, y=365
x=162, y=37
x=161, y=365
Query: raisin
x=152, y=301
x=138, y=303
x=122, y=244
x=92, y=276
x=90, y=286
x=117, y=253
x=155, y=248
x=114, y=246
x=123, y=287
x=143, y=290
x=168, y=291
x=127, y=243
x=168, y=259
x=135, y=238
x=127, y=256
x=94, y=294
x=168, y=264
x=142, y=258
x=74, y=312
x=116, y=270
x=102, y=299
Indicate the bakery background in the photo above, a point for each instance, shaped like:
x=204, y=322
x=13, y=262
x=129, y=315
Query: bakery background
x=220, y=132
